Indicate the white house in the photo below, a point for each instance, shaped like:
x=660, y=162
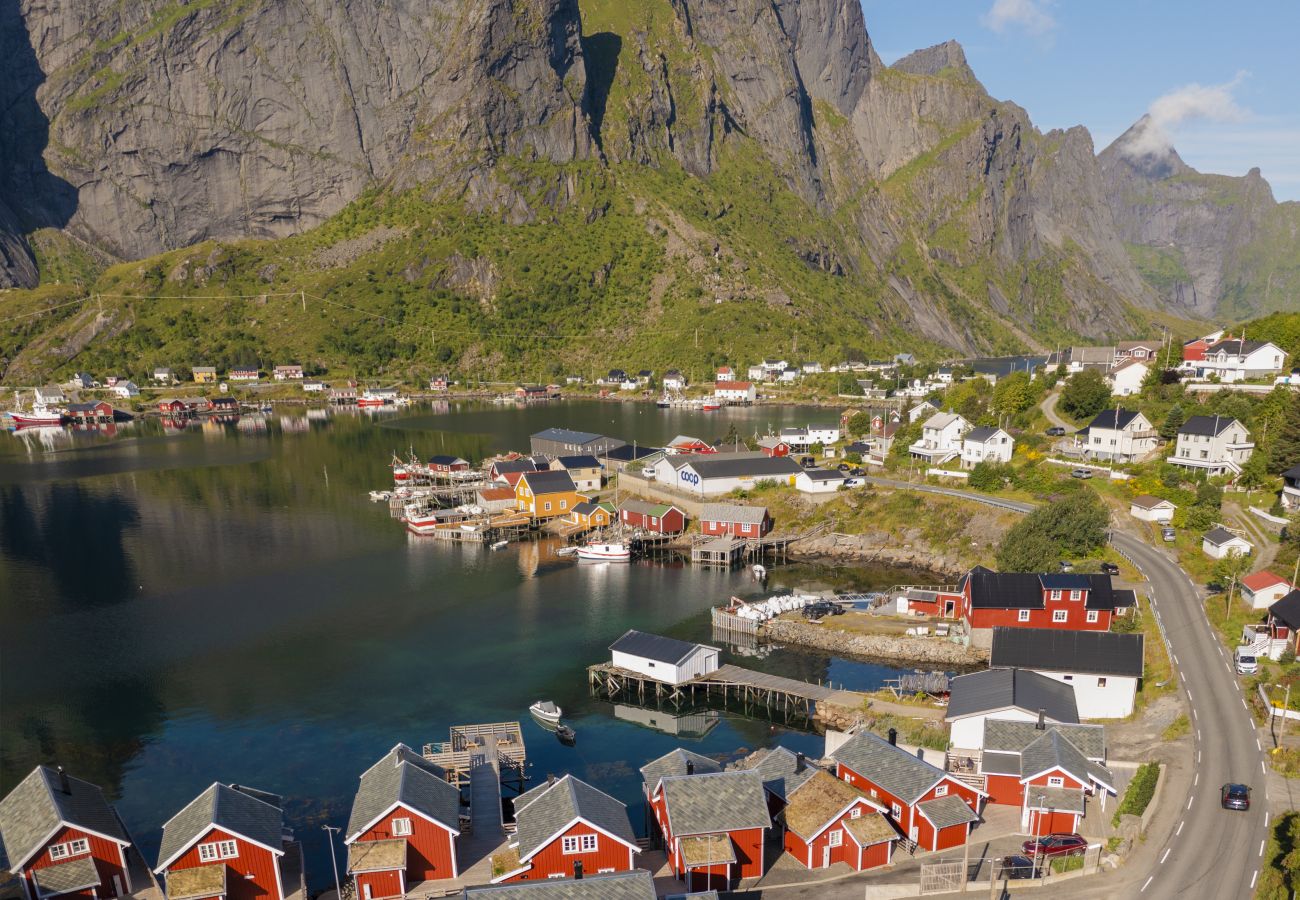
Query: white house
x=1237, y=359
x=1151, y=509
x=1011, y=695
x=812, y=368
x=802, y=438
x=1103, y=668
x=924, y=408
x=724, y=373
x=941, y=438
x=1119, y=435
x=661, y=658
x=774, y=367
x=49, y=396
x=674, y=380
x=1291, y=488
x=986, y=444
x=290, y=372
x=313, y=385
x=163, y=375
x=629, y=384
x=1126, y=378
x=756, y=373
x=819, y=481
x=1219, y=543
x=711, y=474
x=735, y=391
x=126, y=390
x=1137, y=350
x=1262, y=589
x=1213, y=444
x=789, y=375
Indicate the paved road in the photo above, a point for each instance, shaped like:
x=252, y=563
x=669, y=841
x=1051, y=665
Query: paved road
x=1211, y=853
x=1049, y=409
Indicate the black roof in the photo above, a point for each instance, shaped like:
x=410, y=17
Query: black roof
x=549, y=482
x=1287, y=610
x=738, y=465
x=629, y=453
x=999, y=689
x=653, y=646
x=1206, y=425
x=1024, y=590
x=1292, y=474
x=1113, y=418
x=442, y=459
x=1061, y=650
x=583, y=461
x=508, y=466
x=1235, y=346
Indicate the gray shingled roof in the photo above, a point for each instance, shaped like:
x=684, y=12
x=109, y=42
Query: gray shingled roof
x=635, y=885
x=67, y=877
x=548, y=810
x=38, y=804
x=567, y=436
x=403, y=776
x=891, y=768
x=780, y=770
x=1053, y=751
x=1218, y=536
x=228, y=807
x=733, y=512
x=1063, y=650
x=1000, y=763
x=722, y=801
x=674, y=763
x=1059, y=799
x=998, y=689
x=1001, y=736
x=946, y=811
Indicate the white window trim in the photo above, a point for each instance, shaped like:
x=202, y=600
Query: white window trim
x=401, y=827
x=1093, y=615
x=590, y=843
x=1056, y=595
x=1055, y=781
x=218, y=850
x=1060, y=615
x=941, y=791
x=1022, y=616
x=569, y=845
x=835, y=838
x=855, y=812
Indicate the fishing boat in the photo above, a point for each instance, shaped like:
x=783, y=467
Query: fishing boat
x=39, y=416
x=421, y=520
x=614, y=552
x=664, y=402
x=369, y=398
x=567, y=551
x=760, y=571
x=401, y=472
x=567, y=735
x=379, y=496
x=500, y=545
x=711, y=406
x=545, y=712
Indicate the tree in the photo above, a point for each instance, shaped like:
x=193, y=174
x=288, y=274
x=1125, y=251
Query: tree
x=1075, y=525
x=1013, y=394
x=859, y=423
x=1085, y=394
x=1285, y=450
x=1173, y=422
x=989, y=476
x=1227, y=573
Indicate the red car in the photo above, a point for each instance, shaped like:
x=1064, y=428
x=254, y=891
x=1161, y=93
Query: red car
x=1060, y=844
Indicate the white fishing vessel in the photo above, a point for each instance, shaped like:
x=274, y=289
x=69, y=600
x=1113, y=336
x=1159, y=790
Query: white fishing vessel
x=605, y=552
x=545, y=711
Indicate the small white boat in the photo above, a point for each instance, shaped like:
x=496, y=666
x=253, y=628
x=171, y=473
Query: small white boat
x=500, y=545
x=545, y=711
x=567, y=551
x=616, y=552
x=379, y=496
x=760, y=571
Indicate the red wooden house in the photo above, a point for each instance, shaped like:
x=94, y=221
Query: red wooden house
x=773, y=446
x=442, y=464
x=925, y=803
x=230, y=843
x=223, y=405
x=734, y=519
x=653, y=517
x=1028, y=600
x=685, y=444
x=829, y=821
x=90, y=413
x=509, y=471
x=173, y=407
x=403, y=828
x=567, y=829
x=63, y=839
x=713, y=826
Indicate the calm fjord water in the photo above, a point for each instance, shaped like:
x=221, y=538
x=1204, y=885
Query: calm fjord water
x=225, y=604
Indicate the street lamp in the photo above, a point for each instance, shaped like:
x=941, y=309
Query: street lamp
x=329, y=836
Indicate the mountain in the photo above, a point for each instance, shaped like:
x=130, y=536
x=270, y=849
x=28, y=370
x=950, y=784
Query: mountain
x=516, y=186
x=1210, y=245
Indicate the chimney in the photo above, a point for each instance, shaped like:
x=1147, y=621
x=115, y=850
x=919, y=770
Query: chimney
x=577, y=869
x=1042, y=720
x=550, y=778
x=799, y=762
x=690, y=767
x=893, y=737
x=64, y=784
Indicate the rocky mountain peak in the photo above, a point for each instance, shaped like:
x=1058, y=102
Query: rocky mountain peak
x=947, y=58
x=1145, y=149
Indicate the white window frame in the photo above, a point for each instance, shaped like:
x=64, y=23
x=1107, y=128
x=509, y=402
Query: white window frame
x=855, y=812
x=58, y=851
x=1093, y=616
x=569, y=845
x=1022, y=615
x=941, y=791
x=1056, y=595
x=78, y=847
x=590, y=843
x=1055, y=781
x=214, y=851
x=835, y=838
x=1074, y=595
x=896, y=810
x=1060, y=615
x=401, y=827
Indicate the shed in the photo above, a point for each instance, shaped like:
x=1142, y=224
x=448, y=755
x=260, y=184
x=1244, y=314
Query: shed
x=658, y=518
x=1219, y=543
x=663, y=658
x=1151, y=509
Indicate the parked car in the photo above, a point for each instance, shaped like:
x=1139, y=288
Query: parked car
x=821, y=609
x=1235, y=796
x=1055, y=431
x=843, y=467
x=852, y=482
x=1168, y=535
x=1081, y=473
x=807, y=462
x=1109, y=568
x=1066, y=566
x=857, y=471
x=1056, y=844
x=1245, y=662
x=1017, y=867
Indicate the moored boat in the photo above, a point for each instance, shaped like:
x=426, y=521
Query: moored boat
x=567, y=735
x=369, y=399
x=615, y=552
x=711, y=406
x=546, y=712
x=40, y=415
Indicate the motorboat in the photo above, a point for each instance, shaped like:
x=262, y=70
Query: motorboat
x=567, y=551
x=760, y=571
x=615, y=552
x=711, y=406
x=567, y=735
x=40, y=415
x=545, y=712
x=500, y=545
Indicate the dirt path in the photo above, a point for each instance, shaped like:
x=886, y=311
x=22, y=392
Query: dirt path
x=1265, y=544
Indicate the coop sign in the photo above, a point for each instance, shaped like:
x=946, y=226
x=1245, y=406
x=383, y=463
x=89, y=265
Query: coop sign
x=690, y=477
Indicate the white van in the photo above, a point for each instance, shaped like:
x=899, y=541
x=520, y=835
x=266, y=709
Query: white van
x=1247, y=663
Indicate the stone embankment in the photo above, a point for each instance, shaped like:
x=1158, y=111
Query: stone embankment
x=879, y=547
x=921, y=651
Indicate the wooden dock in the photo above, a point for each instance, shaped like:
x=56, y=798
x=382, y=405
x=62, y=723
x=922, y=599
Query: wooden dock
x=499, y=744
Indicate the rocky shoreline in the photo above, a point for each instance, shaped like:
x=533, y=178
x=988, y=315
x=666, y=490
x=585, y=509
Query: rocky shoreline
x=878, y=547
x=893, y=649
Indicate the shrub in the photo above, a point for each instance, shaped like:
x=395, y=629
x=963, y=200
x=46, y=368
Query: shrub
x=1140, y=790
x=1074, y=525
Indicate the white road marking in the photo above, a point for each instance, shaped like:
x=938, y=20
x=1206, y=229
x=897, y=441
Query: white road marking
x=1189, y=802
x=1148, y=883
x=1243, y=705
x=1253, y=876
x=1261, y=848
x=1196, y=780
x=1180, y=829
x=1189, y=693
x=1165, y=856
x=1174, y=658
x=1261, y=767
x=1258, y=745
x=1265, y=818
x=1198, y=756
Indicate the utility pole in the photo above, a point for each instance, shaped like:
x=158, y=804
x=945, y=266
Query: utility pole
x=302, y=295
x=329, y=836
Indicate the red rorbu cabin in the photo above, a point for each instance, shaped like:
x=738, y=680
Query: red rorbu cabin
x=1028, y=600
x=653, y=517
x=829, y=821
x=230, y=843
x=64, y=839
x=734, y=519
x=567, y=829
x=713, y=825
x=403, y=828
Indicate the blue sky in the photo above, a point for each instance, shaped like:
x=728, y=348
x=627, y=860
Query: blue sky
x=1230, y=72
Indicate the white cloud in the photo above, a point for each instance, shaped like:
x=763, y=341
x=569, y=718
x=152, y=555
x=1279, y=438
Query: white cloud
x=1191, y=103
x=1031, y=15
